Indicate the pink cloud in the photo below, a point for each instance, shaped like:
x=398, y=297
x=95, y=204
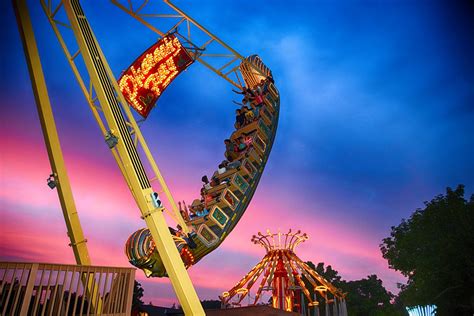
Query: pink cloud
x=34, y=229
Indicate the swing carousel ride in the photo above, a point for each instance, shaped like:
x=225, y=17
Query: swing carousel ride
x=288, y=279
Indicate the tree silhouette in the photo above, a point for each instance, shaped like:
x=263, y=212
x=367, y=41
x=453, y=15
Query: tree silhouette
x=331, y=275
x=434, y=249
x=368, y=297
x=365, y=297
x=211, y=304
x=328, y=273
x=137, y=302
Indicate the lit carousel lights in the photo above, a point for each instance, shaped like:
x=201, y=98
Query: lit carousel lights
x=242, y=291
x=145, y=80
x=187, y=256
x=281, y=272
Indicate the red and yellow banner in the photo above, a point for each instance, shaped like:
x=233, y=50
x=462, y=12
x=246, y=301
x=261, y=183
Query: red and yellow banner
x=144, y=81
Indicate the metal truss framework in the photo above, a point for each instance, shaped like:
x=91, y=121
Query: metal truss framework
x=110, y=111
x=133, y=126
x=282, y=272
x=123, y=135
x=208, y=49
x=53, y=146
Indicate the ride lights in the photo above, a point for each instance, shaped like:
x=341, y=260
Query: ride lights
x=242, y=291
x=186, y=254
x=51, y=181
x=149, y=75
x=321, y=288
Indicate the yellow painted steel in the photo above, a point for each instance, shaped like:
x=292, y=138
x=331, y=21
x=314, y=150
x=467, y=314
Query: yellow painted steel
x=48, y=125
x=88, y=93
x=109, y=97
x=70, y=58
x=233, y=55
x=202, y=28
x=78, y=241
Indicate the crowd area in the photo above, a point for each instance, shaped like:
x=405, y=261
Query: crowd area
x=250, y=110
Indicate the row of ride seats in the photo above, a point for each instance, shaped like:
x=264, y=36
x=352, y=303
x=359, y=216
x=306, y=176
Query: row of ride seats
x=235, y=182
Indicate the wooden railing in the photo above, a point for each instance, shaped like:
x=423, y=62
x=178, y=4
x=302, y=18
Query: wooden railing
x=59, y=289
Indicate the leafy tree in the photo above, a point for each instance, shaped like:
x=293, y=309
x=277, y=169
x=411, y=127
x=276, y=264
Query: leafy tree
x=211, y=304
x=434, y=249
x=137, y=302
x=328, y=273
x=368, y=297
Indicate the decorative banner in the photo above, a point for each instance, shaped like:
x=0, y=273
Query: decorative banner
x=144, y=81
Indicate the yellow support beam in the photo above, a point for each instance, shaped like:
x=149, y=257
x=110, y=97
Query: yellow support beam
x=231, y=56
x=174, y=213
x=112, y=103
x=48, y=125
x=78, y=241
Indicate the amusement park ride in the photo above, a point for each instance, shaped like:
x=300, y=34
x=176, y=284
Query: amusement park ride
x=283, y=273
x=154, y=250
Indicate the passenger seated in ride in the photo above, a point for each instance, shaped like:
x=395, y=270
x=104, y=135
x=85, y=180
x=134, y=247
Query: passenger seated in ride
x=231, y=164
x=246, y=92
x=215, y=181
x=179, y=231
x=239, y=119
x=257, y=109
x=173, y=231
x=201, y=211
x=224, y=167
x=242, y=146
x=207, y=185
x=247, y=100
x=221, y=168
x=249, y=115
x=259, y=102
x=262, y=87
x=230, y=150
x=187, y=238
x=206, y=198
x=184, y=212
x=194, y=208
x=198, y=208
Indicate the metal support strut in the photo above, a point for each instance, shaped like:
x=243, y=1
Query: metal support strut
x=61, y=179
x=113, y=104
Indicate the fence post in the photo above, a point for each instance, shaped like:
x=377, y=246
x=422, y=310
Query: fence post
x=29, y=289
x=129, y=295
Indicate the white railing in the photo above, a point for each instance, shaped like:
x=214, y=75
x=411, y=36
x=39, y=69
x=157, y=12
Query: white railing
x=59, y=289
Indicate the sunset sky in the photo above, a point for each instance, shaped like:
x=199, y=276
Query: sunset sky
x=377, y=116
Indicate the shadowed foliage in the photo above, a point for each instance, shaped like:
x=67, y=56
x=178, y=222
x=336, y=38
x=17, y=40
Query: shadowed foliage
x=365, y=297
x=434, y=249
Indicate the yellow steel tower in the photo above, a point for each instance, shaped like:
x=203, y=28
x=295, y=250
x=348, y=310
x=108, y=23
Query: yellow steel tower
x=117, y=123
